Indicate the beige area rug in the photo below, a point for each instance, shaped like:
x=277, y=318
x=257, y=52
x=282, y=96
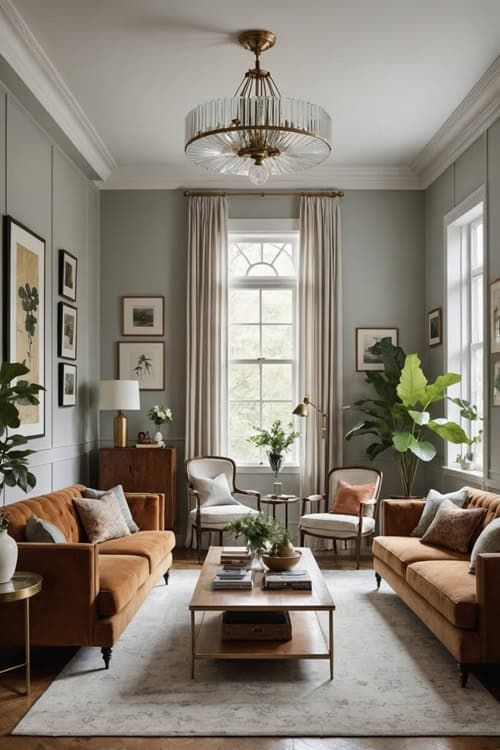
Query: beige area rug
x=392, y=677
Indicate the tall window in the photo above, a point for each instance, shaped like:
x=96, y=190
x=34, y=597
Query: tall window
x=465, y=316
x=262, y=338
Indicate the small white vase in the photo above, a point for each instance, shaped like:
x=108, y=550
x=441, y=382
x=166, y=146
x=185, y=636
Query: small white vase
x=158, y=437
x=8, y=557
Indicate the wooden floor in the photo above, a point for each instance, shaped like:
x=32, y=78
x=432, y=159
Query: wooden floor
x=47, y=663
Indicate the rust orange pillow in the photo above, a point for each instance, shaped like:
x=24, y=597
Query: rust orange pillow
x=349, y=497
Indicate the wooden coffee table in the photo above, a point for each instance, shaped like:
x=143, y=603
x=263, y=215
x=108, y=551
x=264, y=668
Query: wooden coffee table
x=308, y=640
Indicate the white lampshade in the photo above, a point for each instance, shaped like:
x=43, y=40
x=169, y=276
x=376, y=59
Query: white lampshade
x=119, y=394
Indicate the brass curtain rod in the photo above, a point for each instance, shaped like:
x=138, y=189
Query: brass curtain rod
x=268, y=194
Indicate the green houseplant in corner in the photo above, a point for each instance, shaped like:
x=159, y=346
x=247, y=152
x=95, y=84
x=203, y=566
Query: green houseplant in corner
x=399, y=416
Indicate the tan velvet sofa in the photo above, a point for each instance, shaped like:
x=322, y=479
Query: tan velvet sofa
x=461, y=609
x=90, y=591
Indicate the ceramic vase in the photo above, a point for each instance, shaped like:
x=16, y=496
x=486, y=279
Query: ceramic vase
x=8, y=557
x=275, y=461
x=158, y=437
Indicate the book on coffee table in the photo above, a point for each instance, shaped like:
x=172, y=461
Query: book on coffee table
x=290, y=579
x=231, y=580
x=235, y=556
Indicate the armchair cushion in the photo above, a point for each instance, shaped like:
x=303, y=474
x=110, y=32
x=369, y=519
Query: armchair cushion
x=217, y=517
x=338, y=525
x=214, y=492
x=349, y=497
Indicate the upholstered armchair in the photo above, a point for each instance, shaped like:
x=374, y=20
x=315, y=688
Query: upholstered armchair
x=211, y=484
x=328, y=525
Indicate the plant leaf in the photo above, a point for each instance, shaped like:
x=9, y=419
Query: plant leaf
x=413, y=383
x=402, y=441
x=419, y=417
x=450, y=431
x=423, y=449
x=436, y=391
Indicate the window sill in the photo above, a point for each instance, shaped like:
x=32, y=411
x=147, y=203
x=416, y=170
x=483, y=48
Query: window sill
x=453, y=471
x=252, y=469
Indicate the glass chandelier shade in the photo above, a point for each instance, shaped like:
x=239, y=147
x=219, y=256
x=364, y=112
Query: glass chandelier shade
x=257, y=133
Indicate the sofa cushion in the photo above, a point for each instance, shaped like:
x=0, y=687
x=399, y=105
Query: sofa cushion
x=336, y=524
x=399, y=551
x=122, y=502
x=103, y=518
x=120, y=577
x=487, y=541
x=57, y=507
x=40, y=530
x=454, y=527
x=449, y=588
x=433, y=502
x=153, y=545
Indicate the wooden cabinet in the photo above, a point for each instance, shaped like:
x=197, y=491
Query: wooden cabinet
x=141, y=470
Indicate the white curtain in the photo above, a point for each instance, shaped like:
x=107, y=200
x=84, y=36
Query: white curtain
x=320, y=366
x=206, y=326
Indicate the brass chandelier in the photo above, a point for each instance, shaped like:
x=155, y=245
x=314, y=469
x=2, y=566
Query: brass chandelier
x=257, y=132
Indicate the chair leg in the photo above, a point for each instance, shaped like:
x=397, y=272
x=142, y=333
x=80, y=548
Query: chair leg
x=345, y=543
x=302, y=536
x=106, y=652
x=335, y=546
x=358, y=551
x=378, y=578
x=198, y=543
x=221, y=536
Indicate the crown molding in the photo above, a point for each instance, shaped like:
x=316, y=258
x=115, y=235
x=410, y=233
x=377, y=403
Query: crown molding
x=23, y=53
x=473, y=116
x=150, y=177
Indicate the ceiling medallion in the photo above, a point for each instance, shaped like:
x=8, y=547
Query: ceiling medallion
x=258, y=132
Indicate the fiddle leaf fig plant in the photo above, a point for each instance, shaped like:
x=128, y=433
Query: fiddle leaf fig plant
x=14, y=470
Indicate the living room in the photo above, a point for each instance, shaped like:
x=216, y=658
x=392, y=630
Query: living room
x=313, y=298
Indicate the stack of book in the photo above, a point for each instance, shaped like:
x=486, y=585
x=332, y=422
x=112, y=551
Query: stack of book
x=233, y=578
x=289, y=579
x=235, y=556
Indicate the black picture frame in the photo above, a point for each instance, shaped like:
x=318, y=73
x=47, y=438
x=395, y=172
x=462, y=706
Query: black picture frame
x=67, y=338
x=67, y=396
x=68, y=266
x=366, y=336
x=435, y=327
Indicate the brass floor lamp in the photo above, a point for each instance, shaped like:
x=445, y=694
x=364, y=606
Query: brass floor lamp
x=302, y=410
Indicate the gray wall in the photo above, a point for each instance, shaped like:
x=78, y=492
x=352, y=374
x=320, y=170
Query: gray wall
x=479, y=165
x=43, y=189
x=143, y=251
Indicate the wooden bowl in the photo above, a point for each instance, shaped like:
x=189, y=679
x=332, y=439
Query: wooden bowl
x=274, y=562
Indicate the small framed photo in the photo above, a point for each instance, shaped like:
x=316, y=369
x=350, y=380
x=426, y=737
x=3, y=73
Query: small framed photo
x=496, y=383
x=143, y=361
x=67, y=384
x=495, y=316
x=434, y=327
x=143, y=316
x=366, y=338
x=67, y=331
x=68, y=267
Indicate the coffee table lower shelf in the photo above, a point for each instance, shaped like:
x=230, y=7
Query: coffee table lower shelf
x=307, y=642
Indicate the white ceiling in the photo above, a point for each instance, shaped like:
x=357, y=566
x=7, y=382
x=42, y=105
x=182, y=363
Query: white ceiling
x=388, y=71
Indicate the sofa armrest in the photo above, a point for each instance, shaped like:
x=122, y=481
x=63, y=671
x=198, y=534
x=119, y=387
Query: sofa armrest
x=148, y=510
x=488, y=597
x=401, y=516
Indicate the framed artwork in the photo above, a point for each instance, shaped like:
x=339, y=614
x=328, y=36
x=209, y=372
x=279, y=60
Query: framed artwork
x=67, y=384
x=68, y=268
x=143, y=316
x=434, y=327
x=495, y=316
x=24, y=314
x=366, y=338
x=143, y=361
x=67, y=331
x=496, y=383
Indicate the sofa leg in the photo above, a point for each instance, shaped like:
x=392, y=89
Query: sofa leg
x=106, y=652
x=378, y=578
x=463, y=671
x=166, y=577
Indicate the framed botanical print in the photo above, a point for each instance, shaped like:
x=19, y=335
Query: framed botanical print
x=67, y=331
x=496, y=383
x=495, y=316
x=434, y=327
x=67, y=384
x=143, y=361
x=68, y=268
x=24, y=311
x=143, y=316
x=366, y=338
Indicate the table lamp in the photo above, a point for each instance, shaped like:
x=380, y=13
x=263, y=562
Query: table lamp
x=119, y=395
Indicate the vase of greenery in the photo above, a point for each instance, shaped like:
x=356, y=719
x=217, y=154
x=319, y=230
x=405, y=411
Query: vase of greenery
x=160, y=415
x=14, y=470
x=277, y=440
x=467, y=457
x=260, y=534
x=398, y=416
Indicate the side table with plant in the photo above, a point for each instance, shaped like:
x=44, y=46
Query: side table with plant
x=160, y=415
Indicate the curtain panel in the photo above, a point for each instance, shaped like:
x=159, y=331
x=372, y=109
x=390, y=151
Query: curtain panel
x=320, y=316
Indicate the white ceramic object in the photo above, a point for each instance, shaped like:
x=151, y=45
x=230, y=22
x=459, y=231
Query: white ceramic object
x=8, y=557
x=158, y=437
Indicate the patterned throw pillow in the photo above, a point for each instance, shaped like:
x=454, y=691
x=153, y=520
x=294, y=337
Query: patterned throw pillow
x=102, y=519
x=433, y=503
x=349, y=496
x=122, y=500
x=487, y=541
x=453, y=527
x=40, y=530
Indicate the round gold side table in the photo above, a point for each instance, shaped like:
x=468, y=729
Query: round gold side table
x=22, y=586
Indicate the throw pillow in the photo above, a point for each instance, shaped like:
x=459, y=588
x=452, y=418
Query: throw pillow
x=487, y=541
x=214, y=491
x=40, y=530
x=122, y=500
x=433, y=503
x=349, y=496
x=102, y=519
x=453, y=527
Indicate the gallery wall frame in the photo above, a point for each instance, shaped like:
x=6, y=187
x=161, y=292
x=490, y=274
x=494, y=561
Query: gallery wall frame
x=68, y=384
x=496, y=382
x=143, y=316
x=495, y=316
x=435, y=327
x=67, y=331
x=68, y=275
x=366, y=361
x=24, y=321
x=143, y=361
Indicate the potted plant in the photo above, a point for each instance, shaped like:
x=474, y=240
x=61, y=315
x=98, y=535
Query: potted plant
x=399, y=417
x=261, y=535
x=160, y=415
x=277, y=440
x=14, y=470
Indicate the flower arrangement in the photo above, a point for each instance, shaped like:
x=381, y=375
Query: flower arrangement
x=160, y=415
